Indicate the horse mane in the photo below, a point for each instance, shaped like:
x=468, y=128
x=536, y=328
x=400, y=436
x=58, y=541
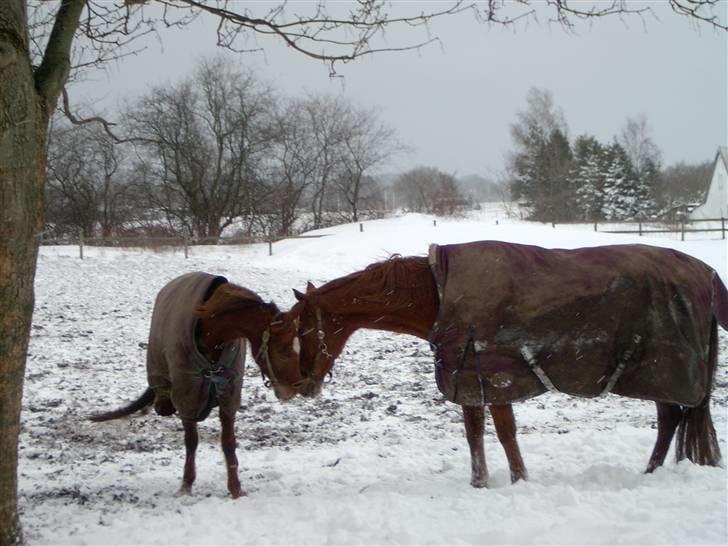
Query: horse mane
x=393, y=282
x=230, y=298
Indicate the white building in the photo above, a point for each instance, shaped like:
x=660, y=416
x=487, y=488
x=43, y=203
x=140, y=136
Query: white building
x=716, y=199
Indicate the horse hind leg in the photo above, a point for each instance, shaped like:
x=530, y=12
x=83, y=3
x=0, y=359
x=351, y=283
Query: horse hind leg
x=696, y=437
x=505, y=427
x=191, y=441
x=668, y=418
x=227, y=440
x=474, y=418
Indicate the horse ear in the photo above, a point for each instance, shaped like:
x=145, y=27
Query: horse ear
x=299, y=295
x=310, y=287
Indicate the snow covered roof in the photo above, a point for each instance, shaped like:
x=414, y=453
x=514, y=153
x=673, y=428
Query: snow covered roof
x=722, y=154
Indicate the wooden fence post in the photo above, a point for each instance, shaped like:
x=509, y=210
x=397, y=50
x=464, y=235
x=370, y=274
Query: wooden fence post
x=640, y=228
x=434, y=222
x=682, y=231
x=80, y=243
x=270, y=246
x=185, y=242
x=361, y=227
x=722, y=227
x=595, y=226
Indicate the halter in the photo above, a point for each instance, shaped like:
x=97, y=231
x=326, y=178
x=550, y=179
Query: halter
x=323, y=349
x=272, y=379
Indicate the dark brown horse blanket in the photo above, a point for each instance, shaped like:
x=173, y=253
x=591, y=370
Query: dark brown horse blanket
x=175, y=366
x=516, y=320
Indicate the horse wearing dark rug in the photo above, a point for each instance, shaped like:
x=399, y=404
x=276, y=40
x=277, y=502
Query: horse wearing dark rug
x=196, y=356
x=508, y=322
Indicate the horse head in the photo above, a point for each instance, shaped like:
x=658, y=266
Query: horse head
x=322, y=336
x=234, y=312
x=277, y=354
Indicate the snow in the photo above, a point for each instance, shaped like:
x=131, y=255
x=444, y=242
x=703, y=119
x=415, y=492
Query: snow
x=378, y=458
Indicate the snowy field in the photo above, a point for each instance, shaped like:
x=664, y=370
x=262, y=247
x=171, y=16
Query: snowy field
x=378, y=458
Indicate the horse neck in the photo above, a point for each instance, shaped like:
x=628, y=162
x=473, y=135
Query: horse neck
x=416, y=317
x=222, y=329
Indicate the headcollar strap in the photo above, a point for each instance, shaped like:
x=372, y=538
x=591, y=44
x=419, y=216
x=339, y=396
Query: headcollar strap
x=264, y=352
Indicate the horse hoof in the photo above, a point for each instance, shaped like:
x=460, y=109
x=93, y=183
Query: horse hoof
x=479, y=483
x=518, y=476
x=237, y=492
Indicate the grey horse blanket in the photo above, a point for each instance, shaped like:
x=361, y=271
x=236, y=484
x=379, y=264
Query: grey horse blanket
x=176, y=368
x=516, y=320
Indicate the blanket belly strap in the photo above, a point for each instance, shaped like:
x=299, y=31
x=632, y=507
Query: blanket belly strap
x=537, y=370
x=621, y=365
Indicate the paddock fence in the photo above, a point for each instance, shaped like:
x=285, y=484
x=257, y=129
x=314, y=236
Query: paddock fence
x=703, y=229
x=166, y=242
x=688, y=229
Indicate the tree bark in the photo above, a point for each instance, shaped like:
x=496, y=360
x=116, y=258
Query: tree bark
x=26, y=101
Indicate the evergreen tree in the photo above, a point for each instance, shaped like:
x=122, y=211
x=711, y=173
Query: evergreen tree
x=647, y=184
x=541, y=160
x=621, y=193
x=587, y=178
x=557, y=198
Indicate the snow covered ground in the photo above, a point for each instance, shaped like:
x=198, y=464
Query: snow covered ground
x=378, y=458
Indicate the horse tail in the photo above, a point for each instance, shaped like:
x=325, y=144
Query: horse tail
x=696, y=438
x=720, y=301
x=142, y=402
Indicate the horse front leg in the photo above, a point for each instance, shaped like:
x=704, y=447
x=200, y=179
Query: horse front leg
x=505, y=427
x=474, y=418
x=191, y=441
x=227, y=440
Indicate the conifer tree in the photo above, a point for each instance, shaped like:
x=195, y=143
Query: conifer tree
x=587, y=178
x=621, y=195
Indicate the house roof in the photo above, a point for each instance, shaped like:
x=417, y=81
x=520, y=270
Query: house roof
x=723, y=155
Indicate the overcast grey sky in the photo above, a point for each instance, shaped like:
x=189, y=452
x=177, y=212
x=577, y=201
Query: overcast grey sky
x=453, y=103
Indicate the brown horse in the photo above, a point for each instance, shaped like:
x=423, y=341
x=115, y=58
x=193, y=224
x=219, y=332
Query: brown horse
x=196, y=354
x=401, y=295
x=398, y=295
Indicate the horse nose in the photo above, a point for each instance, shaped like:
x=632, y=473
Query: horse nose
x=310, y=390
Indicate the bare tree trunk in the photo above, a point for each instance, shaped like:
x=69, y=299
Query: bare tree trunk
x=26, y=100
x=23, y=127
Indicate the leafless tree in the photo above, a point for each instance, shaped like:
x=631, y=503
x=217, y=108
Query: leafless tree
x=202, y=141
x=427, y=189
x=87, y=186
x=44, y=45
x=683, y=184
x=326, y=117
x=294, y=166
x=367, y=145
x=635, y=137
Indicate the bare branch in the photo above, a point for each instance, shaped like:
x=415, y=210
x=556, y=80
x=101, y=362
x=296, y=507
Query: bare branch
x=702, y=10
x=53, y=72
x=107, y=125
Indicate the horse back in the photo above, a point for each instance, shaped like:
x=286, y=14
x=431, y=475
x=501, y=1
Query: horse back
x=175, y=366
x=578, y=315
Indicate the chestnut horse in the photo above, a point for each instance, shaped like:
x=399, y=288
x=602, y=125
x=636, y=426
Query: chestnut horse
x=195, y=359
x=398, y=295
x=401, y=295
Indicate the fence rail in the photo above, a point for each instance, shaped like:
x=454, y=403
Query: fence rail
x=636, y=228
x=165, y=242
x=682, y=228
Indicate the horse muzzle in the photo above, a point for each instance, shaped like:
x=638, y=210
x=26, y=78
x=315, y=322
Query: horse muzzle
x=308, y=388
x=284, y=393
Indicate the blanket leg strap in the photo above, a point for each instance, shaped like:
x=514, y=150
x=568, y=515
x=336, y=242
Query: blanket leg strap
x=536, y=369
x=621, y=365
x=470, y=345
